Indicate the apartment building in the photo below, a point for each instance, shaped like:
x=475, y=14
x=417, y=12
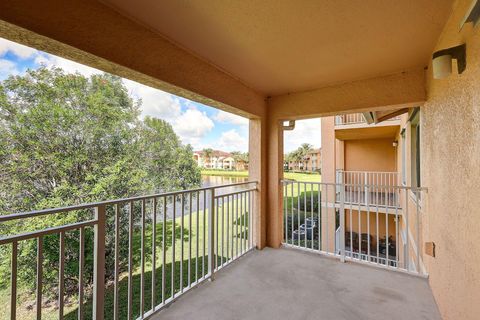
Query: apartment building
x=217, y=159
x=311, y=162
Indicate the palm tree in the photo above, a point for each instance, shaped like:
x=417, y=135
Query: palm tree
x=304, y=150
x=207, y=155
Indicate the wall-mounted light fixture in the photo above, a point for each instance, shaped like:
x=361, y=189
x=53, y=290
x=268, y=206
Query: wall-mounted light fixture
x=395, y=144
x=442, y=61
x=289, y=125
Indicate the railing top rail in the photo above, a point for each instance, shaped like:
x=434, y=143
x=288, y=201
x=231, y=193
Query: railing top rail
x=44, y=232
x=362, y=185
x=36, y=213
x=223, y=195
x=365, y=171
x=356, y=118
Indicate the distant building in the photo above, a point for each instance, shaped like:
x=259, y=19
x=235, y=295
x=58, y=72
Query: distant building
x=218, y=160
x=311, y=163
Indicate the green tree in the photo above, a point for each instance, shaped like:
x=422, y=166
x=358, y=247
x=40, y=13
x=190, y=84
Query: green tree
x=67, y=139
x=240, y=157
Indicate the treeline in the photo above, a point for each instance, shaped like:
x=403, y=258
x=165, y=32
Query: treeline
x=67, y=139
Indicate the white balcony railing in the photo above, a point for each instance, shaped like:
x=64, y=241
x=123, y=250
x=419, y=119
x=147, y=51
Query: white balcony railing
x=191, y=234
x=370, y=187
x=354, y=118
x=320, y=217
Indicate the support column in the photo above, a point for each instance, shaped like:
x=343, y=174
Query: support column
x=257, y=168
x=275, y=175
x=328, y=175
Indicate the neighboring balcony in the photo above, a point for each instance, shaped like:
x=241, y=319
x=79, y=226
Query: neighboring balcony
x=353, y=126
x=370, y=188
x=358, y=118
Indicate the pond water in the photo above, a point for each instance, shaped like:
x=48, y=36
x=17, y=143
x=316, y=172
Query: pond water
x=208, y=181
x=202, y=199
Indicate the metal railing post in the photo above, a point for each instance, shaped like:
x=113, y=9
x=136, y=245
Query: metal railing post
x=99, y=263
x=366, y=187
x=342, y=222
x=211, y=235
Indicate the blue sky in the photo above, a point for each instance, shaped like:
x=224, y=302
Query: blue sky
x=195, y=123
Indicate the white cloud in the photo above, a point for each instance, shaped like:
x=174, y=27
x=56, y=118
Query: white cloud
x=306, y=131
x=192, y=126
x=68, y=66
x=228, y=117
x=155, y=103
x=7, y=68
x=21, y=51
x=231, y=140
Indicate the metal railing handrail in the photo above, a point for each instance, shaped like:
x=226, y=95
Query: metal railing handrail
x=366, y=171
x=36, y=213
x=401, y=187
x=47, y=231
x=355, y=118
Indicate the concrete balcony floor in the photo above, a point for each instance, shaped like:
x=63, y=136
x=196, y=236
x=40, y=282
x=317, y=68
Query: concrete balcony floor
x=291, y=284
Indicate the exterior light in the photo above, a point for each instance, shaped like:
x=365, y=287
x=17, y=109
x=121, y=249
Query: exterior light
x=442, y=61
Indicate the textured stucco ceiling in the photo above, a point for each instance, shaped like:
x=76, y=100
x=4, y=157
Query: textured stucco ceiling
x=282, y=46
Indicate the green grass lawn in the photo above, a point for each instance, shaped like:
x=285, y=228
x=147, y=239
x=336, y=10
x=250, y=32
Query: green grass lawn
x=297, y=176
x=304, y=177
x=224, y=173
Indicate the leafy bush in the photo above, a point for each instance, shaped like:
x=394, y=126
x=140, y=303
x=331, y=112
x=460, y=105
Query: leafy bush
x=67, y=139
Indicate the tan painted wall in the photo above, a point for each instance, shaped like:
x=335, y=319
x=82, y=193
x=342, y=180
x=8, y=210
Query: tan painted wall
x=328, y=149
x=370, y=155
x=450, y=124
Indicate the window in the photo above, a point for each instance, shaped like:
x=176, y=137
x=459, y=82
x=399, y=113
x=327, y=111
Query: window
x=404, y=158
x=415, y=148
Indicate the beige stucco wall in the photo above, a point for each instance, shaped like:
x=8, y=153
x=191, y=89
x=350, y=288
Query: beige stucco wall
x=370, y=155
x=450, y=124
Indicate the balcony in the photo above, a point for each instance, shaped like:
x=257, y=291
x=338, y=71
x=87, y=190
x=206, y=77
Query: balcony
x=148, y=251
x=354, y=126
x=355, y=118
x=290, y=284
x=369, y=188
